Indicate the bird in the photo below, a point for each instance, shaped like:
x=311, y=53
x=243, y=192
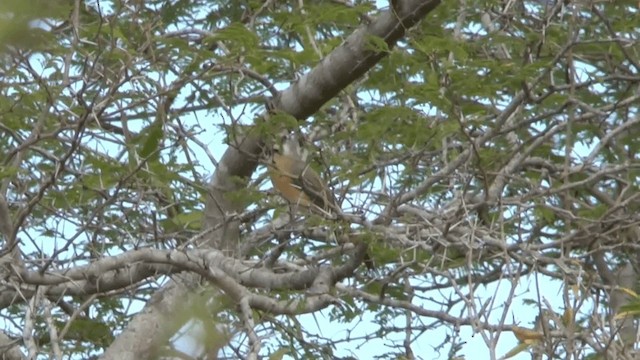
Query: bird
x=299, y=184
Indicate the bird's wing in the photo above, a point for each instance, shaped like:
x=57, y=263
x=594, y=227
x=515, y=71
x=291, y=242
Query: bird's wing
x=317, y=190
x=312, y=185
x=298, y=174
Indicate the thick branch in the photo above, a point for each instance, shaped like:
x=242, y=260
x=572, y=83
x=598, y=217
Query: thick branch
x=10, y=349
x=345, y=64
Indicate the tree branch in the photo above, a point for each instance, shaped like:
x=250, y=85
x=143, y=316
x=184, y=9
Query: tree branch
x=345, y=64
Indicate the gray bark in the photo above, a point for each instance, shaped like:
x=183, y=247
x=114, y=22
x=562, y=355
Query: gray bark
x=152, y=327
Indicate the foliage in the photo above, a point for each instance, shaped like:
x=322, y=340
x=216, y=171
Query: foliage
x=496, y=144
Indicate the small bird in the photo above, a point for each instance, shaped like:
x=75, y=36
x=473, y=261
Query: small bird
x=299, y=184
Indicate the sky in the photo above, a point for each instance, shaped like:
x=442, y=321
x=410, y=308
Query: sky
x=474, y=347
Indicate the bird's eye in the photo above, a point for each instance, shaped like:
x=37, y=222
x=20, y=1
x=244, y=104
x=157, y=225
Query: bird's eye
x=284, y=138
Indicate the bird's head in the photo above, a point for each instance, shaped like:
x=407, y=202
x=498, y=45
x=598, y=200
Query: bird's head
x=291, y=145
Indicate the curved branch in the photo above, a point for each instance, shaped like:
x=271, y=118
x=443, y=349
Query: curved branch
x=10, y=349
x=345, y=64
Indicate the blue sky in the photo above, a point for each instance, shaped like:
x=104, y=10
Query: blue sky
x=475, y=347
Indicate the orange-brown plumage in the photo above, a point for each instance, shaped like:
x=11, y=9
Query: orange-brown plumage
x=300, y=185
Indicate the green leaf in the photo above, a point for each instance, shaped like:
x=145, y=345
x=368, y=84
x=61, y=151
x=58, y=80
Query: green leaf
x=238, y=35
x=377, y=44
x=189, y=220
x=150, y=138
